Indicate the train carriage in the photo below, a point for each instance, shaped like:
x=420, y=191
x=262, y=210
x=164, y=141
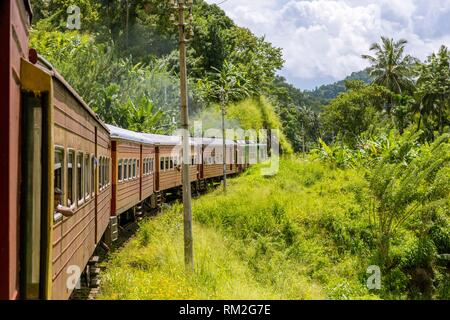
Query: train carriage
x=167, y=161
x=65, y=139
x=213, y=157
x=133, y=169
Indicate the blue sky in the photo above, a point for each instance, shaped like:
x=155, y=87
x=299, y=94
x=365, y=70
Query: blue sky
x=322, y=40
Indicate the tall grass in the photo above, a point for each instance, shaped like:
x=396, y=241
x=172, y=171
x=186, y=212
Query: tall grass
x=299, y=235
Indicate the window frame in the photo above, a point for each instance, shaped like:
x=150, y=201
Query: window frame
x=120, y=170
x=92, y=178
x=125, y=170
x=130, y=169
x=63, y=167
x=80, y=201
x=74, y=180
x=138, y=173
x=87, y=193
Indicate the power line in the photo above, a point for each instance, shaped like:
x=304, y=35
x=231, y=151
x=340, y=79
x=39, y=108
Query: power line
x=222, y=2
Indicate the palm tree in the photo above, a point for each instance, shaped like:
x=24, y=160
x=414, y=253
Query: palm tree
x=225, y=86
x=433, y=88
x=390, y=67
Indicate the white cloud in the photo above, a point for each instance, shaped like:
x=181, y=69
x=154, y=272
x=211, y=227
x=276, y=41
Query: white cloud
x=322, y=40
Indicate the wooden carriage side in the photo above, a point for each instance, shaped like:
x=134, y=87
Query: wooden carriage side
x=133, y=169
x=213, y=157
x=82, y=171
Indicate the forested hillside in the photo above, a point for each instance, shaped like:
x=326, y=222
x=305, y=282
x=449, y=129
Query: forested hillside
x=322, y=95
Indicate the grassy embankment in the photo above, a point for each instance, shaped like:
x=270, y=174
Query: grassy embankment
x=302, y=234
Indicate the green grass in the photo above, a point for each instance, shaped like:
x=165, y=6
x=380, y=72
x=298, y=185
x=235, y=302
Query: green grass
x=302, y=234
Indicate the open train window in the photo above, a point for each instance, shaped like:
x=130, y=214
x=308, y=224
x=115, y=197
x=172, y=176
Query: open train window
x=108, y=171
x=92, y=175
x=125, y=169
x=59, y=169
x=130, y=164
x=104, y=173
x=171, y=163
x=167, y=162
x=100, y=173
x=138, y=173
x=70, y=177
x=134, y=168
x=119, y=171
x=80, y=191
x=86, y=177
x=161, y=164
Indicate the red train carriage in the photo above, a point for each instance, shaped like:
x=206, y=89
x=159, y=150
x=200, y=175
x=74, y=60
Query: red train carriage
x=67, y=148
x=133, y=169
x=167, y=161
x=213, y=157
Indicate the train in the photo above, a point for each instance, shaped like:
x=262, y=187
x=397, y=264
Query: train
x=58, y=152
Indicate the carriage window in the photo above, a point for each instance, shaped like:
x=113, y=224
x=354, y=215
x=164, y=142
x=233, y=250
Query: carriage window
x=80, y=190
x=167, y=163
x=171, y=163
x=192, y=160
x=137, y=168
x=70, y=176
x=130, y=167
x=134, y=168
x=104, y=172
x=161, y=164
x=119, y=169
x=92, y=175
x=108, y=171
x=150, y=166
x=86, y=176
x=59, y=169
x=125, y=169
x=100, y=173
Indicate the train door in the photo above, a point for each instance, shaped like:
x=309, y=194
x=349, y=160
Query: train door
x=36, y=187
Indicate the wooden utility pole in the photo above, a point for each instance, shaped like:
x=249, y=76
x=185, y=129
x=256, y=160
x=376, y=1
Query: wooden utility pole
x=180, y=6
x=224, y=149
